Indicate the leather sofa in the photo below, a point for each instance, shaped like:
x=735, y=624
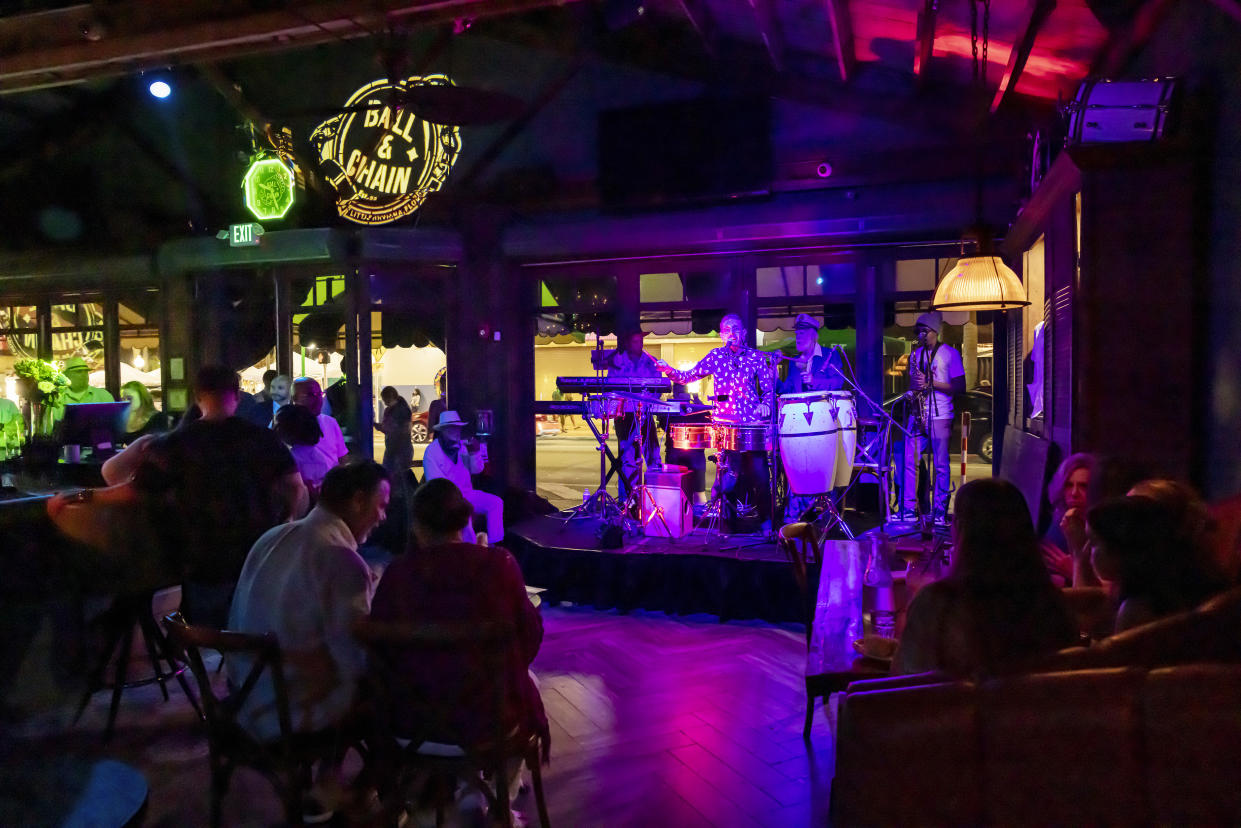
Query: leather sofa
x=1144, y=728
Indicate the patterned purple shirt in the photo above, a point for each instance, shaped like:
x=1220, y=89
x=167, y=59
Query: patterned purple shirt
x=744, y=376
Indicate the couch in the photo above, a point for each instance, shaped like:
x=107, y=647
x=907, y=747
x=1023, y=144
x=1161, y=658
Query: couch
x=1144, y=728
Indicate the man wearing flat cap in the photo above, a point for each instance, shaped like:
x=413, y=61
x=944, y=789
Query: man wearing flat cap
x=936, y=373
x=813, y=369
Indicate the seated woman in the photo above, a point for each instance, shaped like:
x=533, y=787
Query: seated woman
x=298, y=429
x=447, y=581
x=997, y=606
x=144, y=417
x=1065, y=536
x=1157, y=560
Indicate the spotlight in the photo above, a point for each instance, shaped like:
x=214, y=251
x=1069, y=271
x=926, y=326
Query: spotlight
x=824, y=169
x=160, y=89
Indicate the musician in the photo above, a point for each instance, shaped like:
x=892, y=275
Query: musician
x=744, y=391
x=811, y=369
x=935, y=375
x=629, y=360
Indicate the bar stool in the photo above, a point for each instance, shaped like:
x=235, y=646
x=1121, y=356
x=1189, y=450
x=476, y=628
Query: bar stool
x=130, y=613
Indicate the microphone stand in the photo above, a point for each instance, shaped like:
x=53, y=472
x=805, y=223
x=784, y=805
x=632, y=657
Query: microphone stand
x=888, y=422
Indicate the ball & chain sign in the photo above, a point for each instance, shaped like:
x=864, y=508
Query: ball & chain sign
x=381, y=158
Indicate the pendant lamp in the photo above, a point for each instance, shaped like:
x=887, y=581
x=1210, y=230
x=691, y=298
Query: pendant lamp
x=981, y=282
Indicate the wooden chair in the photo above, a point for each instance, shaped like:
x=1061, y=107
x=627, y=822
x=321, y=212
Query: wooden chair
x=801, y=544
x=472, y=762
x=288, y=760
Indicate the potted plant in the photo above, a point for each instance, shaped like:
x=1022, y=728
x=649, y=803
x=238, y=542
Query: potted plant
x=41, y=385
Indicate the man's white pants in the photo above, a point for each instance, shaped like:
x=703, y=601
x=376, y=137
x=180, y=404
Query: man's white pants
x=492, y=508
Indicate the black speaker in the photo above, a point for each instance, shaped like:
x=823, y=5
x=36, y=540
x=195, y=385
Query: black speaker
x=685, y=151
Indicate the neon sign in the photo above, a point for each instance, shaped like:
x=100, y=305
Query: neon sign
x=268, y=186
x=383, y=160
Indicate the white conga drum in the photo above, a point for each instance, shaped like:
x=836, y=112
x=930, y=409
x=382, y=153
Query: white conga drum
x=818, y=435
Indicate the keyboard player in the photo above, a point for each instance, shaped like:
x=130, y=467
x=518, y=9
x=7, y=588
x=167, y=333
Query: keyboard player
x=629, y=360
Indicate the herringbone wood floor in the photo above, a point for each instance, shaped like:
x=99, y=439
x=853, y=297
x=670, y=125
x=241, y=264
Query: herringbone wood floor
x=656, y=721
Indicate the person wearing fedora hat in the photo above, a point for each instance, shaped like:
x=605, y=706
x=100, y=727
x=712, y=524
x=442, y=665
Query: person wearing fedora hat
x=936, y=373
x=811, y=369
x=629, y=360
x=458, y=460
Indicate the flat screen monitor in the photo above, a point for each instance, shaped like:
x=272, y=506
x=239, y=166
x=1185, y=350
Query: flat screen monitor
x=94, y=424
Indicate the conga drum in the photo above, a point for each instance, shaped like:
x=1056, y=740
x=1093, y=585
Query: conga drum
x=818, y=436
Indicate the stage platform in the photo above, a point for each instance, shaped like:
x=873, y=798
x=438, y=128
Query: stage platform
x=730, y=576
x=733, y=577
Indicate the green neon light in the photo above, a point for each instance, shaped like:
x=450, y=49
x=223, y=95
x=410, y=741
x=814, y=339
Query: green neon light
x=268, y=186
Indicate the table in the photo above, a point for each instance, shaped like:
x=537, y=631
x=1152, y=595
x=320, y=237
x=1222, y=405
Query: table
x=830, y=667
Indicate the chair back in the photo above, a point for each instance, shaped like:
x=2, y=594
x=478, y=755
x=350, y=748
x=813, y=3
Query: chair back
x=802, y=546
x=222, y=712
x=391, y=644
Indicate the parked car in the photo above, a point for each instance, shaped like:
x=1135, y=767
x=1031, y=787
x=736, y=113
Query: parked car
x=420, y=427
x=978, y=403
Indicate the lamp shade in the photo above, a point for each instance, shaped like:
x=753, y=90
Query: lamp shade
x=980, y=283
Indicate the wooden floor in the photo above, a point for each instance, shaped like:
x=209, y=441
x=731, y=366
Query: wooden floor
x=656, y=721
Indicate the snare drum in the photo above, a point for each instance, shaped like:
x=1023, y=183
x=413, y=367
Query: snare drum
x=691, y=436
x=818, y=436
x=742, y=436
x=604, y=407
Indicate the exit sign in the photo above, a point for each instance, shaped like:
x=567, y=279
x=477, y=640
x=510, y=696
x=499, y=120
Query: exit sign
x=244, y=235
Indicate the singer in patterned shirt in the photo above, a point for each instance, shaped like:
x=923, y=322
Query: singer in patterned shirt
x=744, y=393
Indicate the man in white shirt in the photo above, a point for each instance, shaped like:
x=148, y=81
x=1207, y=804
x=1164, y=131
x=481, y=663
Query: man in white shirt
x=936, y=373
x=305, y=582
x=307, y=392
x=452, y=459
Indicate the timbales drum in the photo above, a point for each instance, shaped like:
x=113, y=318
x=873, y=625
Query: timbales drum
x=691, y=436
x=742, y=436
x=818, y=436
x=605, y=407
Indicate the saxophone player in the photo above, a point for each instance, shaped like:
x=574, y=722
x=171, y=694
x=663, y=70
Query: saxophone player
x=936, y=374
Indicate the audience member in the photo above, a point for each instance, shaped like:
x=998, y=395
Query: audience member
x=451, y=458
x=395, y=427
x=143, y=418
x=1067, y=493
x=216, y=484
x=448, y=581
x=1154, y=554
x=299, y=430
x=307, y=392
x=305, y=582
x=257, y=407
x=997, y=606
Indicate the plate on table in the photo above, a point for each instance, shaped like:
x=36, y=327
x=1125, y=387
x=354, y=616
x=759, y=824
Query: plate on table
x=876, y=648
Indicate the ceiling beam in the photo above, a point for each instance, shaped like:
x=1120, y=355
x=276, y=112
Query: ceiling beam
x=1036, y=14
x=516, y=127
x=1129, y=39
x=68, y=45
x=699, y=17
x=770, y=32
x=841, y=22
x=925, y=45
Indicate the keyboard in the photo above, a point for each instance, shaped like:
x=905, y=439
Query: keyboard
x=602, y=385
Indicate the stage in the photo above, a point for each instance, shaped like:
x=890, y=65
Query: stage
x=733, y=577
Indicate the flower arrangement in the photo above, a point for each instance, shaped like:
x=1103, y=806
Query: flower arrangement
x=44, y=384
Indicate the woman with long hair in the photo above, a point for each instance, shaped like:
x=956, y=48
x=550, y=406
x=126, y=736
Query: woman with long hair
x=143, y=418
x=1154, y=548
x=997, y=606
